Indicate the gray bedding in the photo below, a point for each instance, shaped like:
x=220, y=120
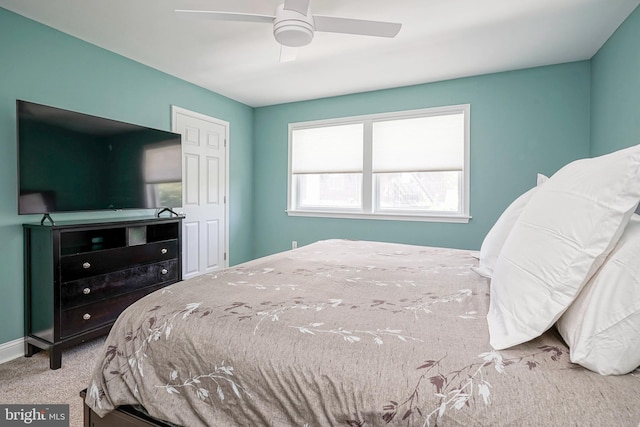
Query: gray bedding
x=346, y=333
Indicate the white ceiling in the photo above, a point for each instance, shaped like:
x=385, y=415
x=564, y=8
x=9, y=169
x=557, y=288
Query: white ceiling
x=439, y=40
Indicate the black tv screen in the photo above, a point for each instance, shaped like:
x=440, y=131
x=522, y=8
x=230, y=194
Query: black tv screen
x=69, y=161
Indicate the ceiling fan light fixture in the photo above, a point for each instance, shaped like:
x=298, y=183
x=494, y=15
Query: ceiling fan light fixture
x=292, y=28
x=293, y=34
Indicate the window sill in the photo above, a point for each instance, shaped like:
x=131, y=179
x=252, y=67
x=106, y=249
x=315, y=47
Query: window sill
x=462, y=219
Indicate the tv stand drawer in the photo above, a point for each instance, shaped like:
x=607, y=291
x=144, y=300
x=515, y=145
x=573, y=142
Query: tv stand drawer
x=85, y=291
x=89, y=264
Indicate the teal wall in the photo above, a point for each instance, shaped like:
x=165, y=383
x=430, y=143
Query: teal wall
x=43, y=65
x=615, y=87
x=522, y=123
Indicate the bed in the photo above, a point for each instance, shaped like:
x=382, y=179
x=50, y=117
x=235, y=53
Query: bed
x=361, y=333
x=348, y=333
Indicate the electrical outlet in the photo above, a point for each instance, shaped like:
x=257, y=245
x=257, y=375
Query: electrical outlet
x=294, y=244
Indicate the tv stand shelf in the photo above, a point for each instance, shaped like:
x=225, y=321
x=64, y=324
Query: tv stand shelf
x=79, y=276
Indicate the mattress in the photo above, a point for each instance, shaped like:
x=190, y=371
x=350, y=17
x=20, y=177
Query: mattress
x=350, y=333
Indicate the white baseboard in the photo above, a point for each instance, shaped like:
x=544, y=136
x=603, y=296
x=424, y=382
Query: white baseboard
x=11, y=350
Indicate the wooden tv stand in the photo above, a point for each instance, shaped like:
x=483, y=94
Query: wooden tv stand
x=79, y=276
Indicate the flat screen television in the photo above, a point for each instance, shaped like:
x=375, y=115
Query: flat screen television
x=70, y=161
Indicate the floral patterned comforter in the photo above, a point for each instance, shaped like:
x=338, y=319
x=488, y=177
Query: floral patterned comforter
x=348, y=333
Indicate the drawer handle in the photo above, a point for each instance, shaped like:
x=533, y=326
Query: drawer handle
x=86, y=291
x=164, y=271
x=86, y=316
x=163, y=251
x=86, y=265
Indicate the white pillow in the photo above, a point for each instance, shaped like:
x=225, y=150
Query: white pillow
x=494, y=240
x=541, y=179
x=561, y=238
x=602, y=326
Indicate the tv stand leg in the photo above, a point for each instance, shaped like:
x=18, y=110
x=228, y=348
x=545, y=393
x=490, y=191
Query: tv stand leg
x=171, y=212
x=30, y=350
x=47, y=217
x=55, y=358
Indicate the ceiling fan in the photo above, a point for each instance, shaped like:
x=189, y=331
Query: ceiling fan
x=294, y=25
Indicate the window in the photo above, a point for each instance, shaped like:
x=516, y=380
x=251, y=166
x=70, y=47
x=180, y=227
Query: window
x=411, y=165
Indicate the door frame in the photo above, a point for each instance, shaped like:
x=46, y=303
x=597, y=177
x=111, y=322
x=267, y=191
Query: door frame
x=175, y=110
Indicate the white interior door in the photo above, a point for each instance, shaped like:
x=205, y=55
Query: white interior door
x=204, y=186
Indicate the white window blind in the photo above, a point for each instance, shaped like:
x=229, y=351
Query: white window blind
x=423, y=144
x=335, y=149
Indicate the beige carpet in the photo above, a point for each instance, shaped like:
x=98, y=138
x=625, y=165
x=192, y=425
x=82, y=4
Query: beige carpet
x=29, y=380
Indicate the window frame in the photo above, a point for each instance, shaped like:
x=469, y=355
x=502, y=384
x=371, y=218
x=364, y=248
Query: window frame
x=368, y=210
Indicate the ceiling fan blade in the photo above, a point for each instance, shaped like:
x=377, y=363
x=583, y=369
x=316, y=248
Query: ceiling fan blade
x=228, y=16
x=288, y=54
x=300, y=6
x=333, y=24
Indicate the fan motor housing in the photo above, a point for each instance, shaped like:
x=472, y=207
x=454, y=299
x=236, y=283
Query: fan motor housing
x=291, y=28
